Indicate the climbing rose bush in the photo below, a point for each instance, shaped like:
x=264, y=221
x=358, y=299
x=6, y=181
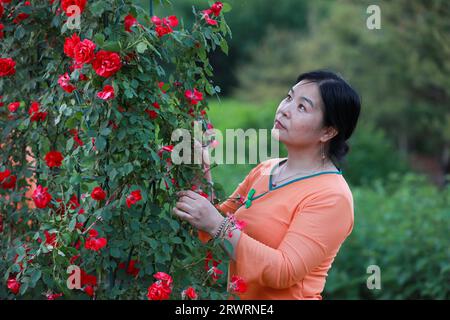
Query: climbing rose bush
x=87, y=184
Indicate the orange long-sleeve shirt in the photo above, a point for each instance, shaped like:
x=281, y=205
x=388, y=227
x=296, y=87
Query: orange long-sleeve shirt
x=293, y=232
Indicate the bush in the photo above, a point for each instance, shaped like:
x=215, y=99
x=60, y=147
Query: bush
x=104, y=122
x=401, y=226
x=372, y=156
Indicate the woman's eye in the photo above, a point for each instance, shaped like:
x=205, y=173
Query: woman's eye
x=288, y=97
x=302, y=107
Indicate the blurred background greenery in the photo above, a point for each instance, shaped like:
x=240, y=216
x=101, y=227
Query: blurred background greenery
x=399, y=164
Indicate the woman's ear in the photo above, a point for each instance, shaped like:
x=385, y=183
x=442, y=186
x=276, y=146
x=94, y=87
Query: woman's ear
x=328, y=134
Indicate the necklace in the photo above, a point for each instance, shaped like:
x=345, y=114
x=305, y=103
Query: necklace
x=274, y=184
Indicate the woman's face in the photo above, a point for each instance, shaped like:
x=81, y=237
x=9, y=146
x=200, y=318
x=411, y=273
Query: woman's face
x=300, y=115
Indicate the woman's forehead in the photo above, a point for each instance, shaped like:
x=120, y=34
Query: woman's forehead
x=306, y=86
x=307, y=90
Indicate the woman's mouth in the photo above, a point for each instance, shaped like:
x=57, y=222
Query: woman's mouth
x=278, y=125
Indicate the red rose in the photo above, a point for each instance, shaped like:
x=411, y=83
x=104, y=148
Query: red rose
x=106, y=63
x=13, y=285
x=95, y=243
x=73, y=202
x=129, y=22
x=134, y=197
x=205, y=15
x=237, y=284
x=65, y=4
x=87, y=279
x=35, y=113
x=22, y=16
x=64, y=83
x=53, y=296
x=158, y=291
x=189, y=293
x=76, y=137
x=216, y=8
x=98, y=194
x=131, y=270
x=41, y=197
x=151, y=113
x=164, y=277
x=89, y=290
x=7, y=181
x=167, y=148
x=107, y=93
x=13, y=106
x=84, y=51
x=53, y=159
x=161, y=85
x=50, y=238
x=93, y=233
x=7, y=67
x=2, y=10
x=70, y=44
x=2, y=35
x=193, y=96
x=164, y=26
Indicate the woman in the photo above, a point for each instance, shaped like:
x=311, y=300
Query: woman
x=299, y=209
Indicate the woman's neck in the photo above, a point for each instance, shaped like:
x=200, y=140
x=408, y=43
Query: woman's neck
x=306, y=161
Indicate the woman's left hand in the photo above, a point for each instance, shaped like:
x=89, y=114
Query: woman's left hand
x=198, y=211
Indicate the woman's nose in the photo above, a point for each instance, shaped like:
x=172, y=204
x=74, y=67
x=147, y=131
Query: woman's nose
x=284, y=110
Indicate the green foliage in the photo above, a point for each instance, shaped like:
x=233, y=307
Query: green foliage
x=401, y=71
x=372, y=156
x=401, y=226
x=252, y=21
x=119, y=152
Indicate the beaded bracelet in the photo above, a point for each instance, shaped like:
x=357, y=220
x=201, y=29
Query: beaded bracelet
x=229, y=226
x=218, y=232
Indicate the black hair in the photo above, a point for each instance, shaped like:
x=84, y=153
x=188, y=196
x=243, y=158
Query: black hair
x=342, y=106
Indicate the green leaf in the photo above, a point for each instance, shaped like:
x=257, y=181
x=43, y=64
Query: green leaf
x=36, y=276
x=72, y=224
x=141, y=47
x=174, y=224
x=224, y=46
x=100, y=143
x=153, y=243
x=112, y=46
x=177, y=240
x=99, y=39
x=105, y=131
x=69, y=144
x=115, y=252
x=19, y=33
x=98, y=7
x=127, y=168
x=135, y=226
x=226, y=7
x=23, y=288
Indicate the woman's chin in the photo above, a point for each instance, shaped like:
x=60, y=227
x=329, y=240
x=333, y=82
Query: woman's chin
x=277, y=134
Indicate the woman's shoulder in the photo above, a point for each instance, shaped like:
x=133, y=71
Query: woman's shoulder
x=331, y=188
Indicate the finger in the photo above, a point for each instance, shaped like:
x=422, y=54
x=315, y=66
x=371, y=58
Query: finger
x=189, y=193
x=182, y=215
x=189, y=201
x=184, y=207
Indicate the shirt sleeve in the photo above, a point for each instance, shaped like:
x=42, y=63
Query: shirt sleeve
x=316, y=230
x=230, y=204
